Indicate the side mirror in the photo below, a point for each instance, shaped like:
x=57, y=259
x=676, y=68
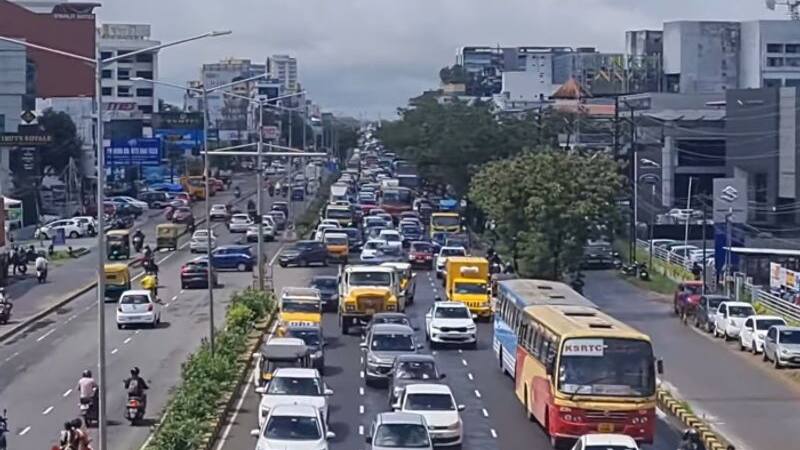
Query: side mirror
x=328, y=391
x=363, y=346
x=442, y=376
x=261, y=390
x=660, y=366
x=462, y=407
x=330, y=435
x=254, y=432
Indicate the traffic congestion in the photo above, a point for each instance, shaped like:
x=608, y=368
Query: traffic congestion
x=395, y=330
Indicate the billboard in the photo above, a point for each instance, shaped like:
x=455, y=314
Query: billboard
x=23, y=151
x=179, y=129
x=134, y=152
x=730, y=199
x=177, y=121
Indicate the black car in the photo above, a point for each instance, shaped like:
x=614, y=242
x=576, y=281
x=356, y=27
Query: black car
x=303, y=253
x=410, y=369
x=328, y=287
x=315, y=341
x=355, y=239
x=126, y=209
x=281, y=206
x=194, y=274
x=155, y=200
x=705, y=309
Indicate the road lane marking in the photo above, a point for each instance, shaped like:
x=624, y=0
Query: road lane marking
x=69, y=391
x=361, y=359
x=47, y=411
x=166, y=305
x=460, y=351
x=12, y=357
x=114, y=351
x=127, y=339
x=25, y=431
x=275, y=257
x=174, y=297
x=361, y=391
x=361, y=374
x=361, y=409
x=464, y=362
x=44, y=336
x=137, y=331
x=469, y=375
x=485, y=412
x=181, y=291
x=494, y=433
x=477, y=393
x=360, y=431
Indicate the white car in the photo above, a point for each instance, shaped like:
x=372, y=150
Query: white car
x=321, y=230
x=444, y=252
x=268, y=233
x=331, y=222
x=131, y=201
x=72, y=229
x=754, y=330
x=600, y=441
x=87, y=224
x=138, y=307
x=392, y=240
x=696, y=256
x=294, y=386
x=730, y=316
x=436, y=404
x=289, y=426
x=218, y=212
x=199, y=242
x=450, y=323
x=239, y=223
x=371, y=250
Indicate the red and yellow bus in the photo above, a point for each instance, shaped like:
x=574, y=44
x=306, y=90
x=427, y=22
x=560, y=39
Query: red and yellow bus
x=580, y=371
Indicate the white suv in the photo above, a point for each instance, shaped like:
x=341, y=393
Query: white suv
x=600, y=441
x=730, y=316
x=294, y=386
x=293, y=426
x=72, y=229
x=450, y=323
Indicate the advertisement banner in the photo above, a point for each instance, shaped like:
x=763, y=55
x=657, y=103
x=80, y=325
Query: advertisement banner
x=791, y=279
x=178, y=121
x=776, y=275
x=184, y=139
x=134, y=152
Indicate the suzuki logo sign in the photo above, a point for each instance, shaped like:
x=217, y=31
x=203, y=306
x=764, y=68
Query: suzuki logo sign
x=729, y=194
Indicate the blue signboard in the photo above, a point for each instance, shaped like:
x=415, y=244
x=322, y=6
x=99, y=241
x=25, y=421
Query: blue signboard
x=185, y=139
x=134, y=152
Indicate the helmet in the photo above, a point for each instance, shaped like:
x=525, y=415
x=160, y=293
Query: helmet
x=87, y=373
x=67, y=425
x=135, y=371
x=690, y=433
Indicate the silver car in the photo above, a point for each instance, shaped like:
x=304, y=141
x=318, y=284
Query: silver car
x=383, y=344
x=399, y=431
x=782, y=346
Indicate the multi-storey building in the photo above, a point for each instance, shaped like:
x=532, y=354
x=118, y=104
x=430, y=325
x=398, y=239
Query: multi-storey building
x=284, y=69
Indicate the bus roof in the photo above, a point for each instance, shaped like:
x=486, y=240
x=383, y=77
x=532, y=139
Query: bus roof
x=581, y=321
x=529, y=292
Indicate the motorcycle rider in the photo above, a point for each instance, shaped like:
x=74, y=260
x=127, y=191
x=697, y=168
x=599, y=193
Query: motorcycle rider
x=150, y=283
x=136, y=387
x=691, y=441
x=237, y=192
x=41, y=267
x=68, y=438
x=87, y=387
x=138, y=240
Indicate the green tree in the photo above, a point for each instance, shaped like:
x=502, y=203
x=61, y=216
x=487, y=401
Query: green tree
x=546, y=204
x=66, y=143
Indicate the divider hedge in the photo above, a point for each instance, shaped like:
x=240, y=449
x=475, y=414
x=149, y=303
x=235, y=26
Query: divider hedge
x=208, y=378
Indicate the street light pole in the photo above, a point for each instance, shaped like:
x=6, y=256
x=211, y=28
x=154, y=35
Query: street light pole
x=210, y=267
x=259, y=199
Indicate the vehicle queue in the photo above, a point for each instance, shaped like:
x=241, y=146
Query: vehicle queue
x=577, y=371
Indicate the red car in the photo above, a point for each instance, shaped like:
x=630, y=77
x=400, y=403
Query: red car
x=687, y=298
x=183, y=215
x=219, y=185
x=420, y=254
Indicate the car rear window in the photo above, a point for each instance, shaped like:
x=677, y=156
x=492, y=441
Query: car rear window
x=134, y=300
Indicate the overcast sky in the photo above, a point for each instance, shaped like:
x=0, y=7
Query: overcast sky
x=367, y=57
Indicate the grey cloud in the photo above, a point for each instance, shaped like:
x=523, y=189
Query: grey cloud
x=372, y=55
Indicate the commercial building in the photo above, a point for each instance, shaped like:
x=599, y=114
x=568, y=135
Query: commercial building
x=12, y=89
x=39, y=6
x=600, y=73
x=770, y=54
x=643, y=55
x=228, y=115
x=284, y=69
x=122, y=97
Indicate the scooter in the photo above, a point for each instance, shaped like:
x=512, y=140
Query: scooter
x=5, y=313
x=134, y=409
x=138, y=241
x=89, y=410
x=3, y=430
x=644, y=274
x=41, y=275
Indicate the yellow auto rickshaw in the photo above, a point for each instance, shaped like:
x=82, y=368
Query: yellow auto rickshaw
x=167, y=236
x=118, y=280
x=118, y=244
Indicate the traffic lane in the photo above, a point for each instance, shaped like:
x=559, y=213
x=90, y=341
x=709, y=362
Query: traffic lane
x=743, y=398
x=159, y=353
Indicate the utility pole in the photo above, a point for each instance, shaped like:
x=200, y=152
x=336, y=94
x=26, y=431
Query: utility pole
x=259, y=196
x=704, y=200
x=634, y=182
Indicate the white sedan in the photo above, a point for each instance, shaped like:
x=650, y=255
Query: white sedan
x=268, y=233
x=131, y=201
x=218, y=212
x=71, y=227
x=298, y=386
x=450, y=323
x=293, y=426
x=600, y=441
x=199, y=242
x=239, y=223
x=137, y=307
x=392, y=240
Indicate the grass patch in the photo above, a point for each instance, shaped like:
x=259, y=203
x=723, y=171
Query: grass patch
x=658, y=283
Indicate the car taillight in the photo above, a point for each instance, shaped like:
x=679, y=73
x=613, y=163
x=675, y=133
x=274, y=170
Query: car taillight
x=150, y=307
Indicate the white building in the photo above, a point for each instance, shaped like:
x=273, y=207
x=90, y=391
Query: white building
x=123, y=98
x=228, y=115
x=770, y=54
x=284, y=68
x=13, y=72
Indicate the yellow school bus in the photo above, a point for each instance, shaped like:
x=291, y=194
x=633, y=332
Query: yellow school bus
x=581, y=371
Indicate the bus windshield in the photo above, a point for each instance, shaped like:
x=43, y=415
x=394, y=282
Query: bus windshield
x=396, y=197
x=607, y=366
x=445, y=221
x=300, y=307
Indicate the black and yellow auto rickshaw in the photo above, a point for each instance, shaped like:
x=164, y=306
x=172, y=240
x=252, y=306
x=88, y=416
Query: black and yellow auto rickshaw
x=279, y=352
x=167, y=236
x=118, y=244
x=118, y=280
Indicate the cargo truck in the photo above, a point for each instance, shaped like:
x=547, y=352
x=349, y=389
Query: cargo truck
x=467, y=281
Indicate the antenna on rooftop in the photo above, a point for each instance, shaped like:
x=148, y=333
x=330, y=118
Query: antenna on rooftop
x=792, y=5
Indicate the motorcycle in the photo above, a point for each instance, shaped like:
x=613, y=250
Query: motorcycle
x=89, y=410
x=5, y=312
x=138, y=241
x=3, y=430
x=644, y=274
x=134, y=409
x=237, y=192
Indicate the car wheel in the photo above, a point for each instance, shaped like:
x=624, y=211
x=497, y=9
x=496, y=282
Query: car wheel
x=119, y=326
x=777, y=363
x=754, y=349
x=74, y=235
x=183, y=285
x=242, y=267
x=764, y=356
x=741, y=345
x=283, y=265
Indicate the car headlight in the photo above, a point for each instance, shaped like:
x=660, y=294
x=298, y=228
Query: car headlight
x=349, y=307
x=391, y=307
x=453, y=426
x=471, y=327
x=317, y=354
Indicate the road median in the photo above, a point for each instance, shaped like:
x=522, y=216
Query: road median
x=681, y=410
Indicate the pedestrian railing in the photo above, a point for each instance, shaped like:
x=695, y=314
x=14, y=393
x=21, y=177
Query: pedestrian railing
x=775, y=305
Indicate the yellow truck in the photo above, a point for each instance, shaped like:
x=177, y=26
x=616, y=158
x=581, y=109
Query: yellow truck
x=359, y=304
x=467, y=281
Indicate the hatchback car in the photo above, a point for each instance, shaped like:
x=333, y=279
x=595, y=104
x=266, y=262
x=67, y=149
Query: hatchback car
x=730, y=317
x=183, y=214
x=399, y=431
x=436, y=404
x=281, y=206
x=194, y=274
x=297, y=386
x=219, y=212
x=383, y=343
x=199, y=241
x=155, y=199
x=236, y=257
x=303, y=253
x=600, y=441
x=782, y=346
x=239, y=223
x=410, y=369
x=420, y=254
x=315, y=341
x=411, y=232
x=279, y=217
x=706, y=315
x=754, y=330
x=71, y=228
x=137, y=307
x=293, y=426
x=267, y=233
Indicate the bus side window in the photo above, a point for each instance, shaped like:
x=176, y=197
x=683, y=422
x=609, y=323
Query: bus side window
x=544, y=346
x=536, y=342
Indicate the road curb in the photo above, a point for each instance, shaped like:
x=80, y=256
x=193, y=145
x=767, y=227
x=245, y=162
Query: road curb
x=667, y=403
x=5, y=335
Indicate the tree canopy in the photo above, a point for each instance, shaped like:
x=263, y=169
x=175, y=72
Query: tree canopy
x=66, y=143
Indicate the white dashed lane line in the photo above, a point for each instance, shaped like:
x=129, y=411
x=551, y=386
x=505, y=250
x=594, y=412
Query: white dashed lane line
x=47, y=411
x=485, y=412
x=361, y=409
x=361, y=391
x=469, y=375
x=68, y=391
x=494, y=433
x=361, y=430
x=114, y=351
x=477, y=393
x=127, y=339
x=464, y=362
x=44, y=336
x=25, y=431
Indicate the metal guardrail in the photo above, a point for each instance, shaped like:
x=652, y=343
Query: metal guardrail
x=775, y=304
x=674, y=266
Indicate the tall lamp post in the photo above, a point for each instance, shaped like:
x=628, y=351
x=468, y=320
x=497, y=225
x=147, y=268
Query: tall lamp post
x=99, y=64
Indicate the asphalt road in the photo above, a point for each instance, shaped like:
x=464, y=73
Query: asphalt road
x=744, y=398
x=65, y=277
x=39, y=368
x=493, y=418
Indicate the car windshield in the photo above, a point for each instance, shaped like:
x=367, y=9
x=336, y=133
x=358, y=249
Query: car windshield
x=401, y=435
x=291, y=428
x=135, y=299
x=337, y=213
x=310, y=337
x=240, y=218
x=374, y=221
x=470, y=288
x=422, y=248
x=390, y=237
x=740, y=311
x=790, y=337
x=445, y=221
x=385, y=342
x=301, y=307
x=713, y=303
x=607, y=366
x=294, y=386
x=370, y=279
x=325, y=283
x=692, y=289
x=764, y=324
x=402, y=320
x=429, y=402
x=454, y=252
x=335, y=240
x=416, y=370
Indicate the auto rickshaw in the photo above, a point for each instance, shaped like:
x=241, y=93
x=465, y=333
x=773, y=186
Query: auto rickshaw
x=118, y=244
x=118, y=280
x=405, y=274
x=276, y=353
x=167, y=236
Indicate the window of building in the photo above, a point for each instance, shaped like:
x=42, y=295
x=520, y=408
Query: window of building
x=774, y=62
x=793, y=62
x=106, y=74
x=760, y=188
x=123, y=91
x=146, y=109
x=123, y=74
x=146, y=74
x=701, y=152
x=792, y=82
x=124, y=52
x=792, y=48
x=144, y=92
x=144, y=57
x=772, y=82
x=774, y=48
x=108, y=91
x=106, y=55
